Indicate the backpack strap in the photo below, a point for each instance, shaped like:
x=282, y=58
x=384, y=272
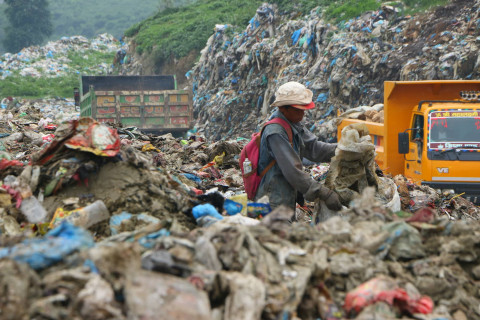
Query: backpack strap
x=287, y=128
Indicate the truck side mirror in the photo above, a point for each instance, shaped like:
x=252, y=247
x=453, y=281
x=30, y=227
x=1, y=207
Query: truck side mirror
x=403, y=143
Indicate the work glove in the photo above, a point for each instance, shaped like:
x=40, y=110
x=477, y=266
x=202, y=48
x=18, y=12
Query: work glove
x=331, y=198
x=318, y=191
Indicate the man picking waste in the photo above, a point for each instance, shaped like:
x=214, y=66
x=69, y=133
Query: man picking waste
x=281, y=152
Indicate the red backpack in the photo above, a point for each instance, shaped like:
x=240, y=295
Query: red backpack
x=251, y=153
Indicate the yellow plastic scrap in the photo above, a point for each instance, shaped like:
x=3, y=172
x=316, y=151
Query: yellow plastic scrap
x=456, y=196
x=149, y=147
x=37, y=229
x=42, y=228
x=58, y=216
x=243, y=200
x=219, y=159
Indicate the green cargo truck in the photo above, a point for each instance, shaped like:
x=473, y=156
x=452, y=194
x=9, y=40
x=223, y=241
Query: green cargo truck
x=150, y=103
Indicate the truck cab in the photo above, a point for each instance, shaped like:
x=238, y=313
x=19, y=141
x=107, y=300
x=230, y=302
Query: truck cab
x=430, y=134
x=444, y=146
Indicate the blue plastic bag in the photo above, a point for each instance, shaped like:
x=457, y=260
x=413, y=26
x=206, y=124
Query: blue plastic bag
x=296, y=36
x=52, y=248
x=150, y=239
x=192, y=177
x=206, y=210
x=322, y=97
x=232, y=207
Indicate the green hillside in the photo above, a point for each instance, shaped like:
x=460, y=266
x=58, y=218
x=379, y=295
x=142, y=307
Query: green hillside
x=182, y=30
x=176, y=32
x=92, y=17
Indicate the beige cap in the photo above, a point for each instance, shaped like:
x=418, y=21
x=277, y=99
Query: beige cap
x=294, y=94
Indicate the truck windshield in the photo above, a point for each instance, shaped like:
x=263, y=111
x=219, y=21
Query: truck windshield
x=454, y=129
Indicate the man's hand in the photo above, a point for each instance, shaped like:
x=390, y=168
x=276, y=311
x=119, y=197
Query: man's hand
x=331, y=199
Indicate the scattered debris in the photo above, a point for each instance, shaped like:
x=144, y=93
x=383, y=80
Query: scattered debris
x=52, y=60
x=128, y=225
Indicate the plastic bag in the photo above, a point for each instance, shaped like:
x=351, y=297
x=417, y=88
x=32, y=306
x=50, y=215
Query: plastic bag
x=352, y=169
x=243, y=200
x=404, y=241
x=258, y=210
x=232, y=207
x=206, y=210
x=388, y=194
x=94, y=137
x=46, y=251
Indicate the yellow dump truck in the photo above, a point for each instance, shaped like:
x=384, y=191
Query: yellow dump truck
x=151, y=103
x=430, y=134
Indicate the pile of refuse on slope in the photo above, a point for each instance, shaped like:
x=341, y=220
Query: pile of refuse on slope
x=52, y=59
x=100, y=222
x=344, y=64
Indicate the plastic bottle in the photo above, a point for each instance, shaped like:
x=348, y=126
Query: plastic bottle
x=247, y=166
x=9, y=180
x=88, y=216
x=33, y=210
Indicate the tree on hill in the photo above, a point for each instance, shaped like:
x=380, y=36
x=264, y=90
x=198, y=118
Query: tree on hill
x=29, y=23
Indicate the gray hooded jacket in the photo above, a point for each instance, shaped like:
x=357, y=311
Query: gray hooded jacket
x=286, y=177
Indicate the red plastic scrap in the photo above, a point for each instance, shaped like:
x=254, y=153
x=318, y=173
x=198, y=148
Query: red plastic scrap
x=48, y=137
x=15, y=195
x=424, y=305
x=50, y=127
x=78, y=140
x=385, y=289
x=208, y=165
x=96, y=138
x=426, y=215
x=4, y=164
x=197, y=191
x=77, y=178
x=84, y=134
x=204, y=175
x=214, y=172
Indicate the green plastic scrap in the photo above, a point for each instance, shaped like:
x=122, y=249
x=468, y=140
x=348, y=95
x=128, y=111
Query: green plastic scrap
x=264, y=80
x=302, y=40
x=404, y=241
x=2, y=148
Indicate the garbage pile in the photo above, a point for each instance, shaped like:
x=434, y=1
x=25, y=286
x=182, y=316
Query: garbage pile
x=104, y=222
x=371, y=114
x=52, y=60
x=110, y=223
x=30, y=110
x=344, y=64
